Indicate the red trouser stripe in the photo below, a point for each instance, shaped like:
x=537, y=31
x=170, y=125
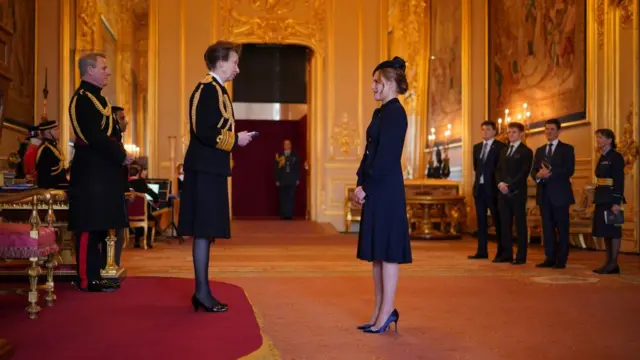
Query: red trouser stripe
x=82, y=266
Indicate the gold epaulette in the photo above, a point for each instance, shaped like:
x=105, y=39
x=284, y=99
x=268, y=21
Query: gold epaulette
x=280, y=160
x=226, y=140
x=604, y=181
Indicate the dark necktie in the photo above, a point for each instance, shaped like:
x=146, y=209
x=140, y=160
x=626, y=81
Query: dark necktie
x=483, y=154
x=549, y=150
x=511, y=148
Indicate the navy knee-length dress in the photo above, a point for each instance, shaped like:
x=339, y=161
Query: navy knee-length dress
x=384, y=229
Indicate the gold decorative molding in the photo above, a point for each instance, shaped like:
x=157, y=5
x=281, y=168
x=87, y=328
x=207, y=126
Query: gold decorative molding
x=274, y=7
x=345, y=138
x=628, y=146
x=625, y=8
x=600, y=14
x=274, y=21
x=407, y=36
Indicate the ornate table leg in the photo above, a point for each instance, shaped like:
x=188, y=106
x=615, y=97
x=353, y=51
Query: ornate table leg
x=34, y=272
x=112, y=270
x=51, y=295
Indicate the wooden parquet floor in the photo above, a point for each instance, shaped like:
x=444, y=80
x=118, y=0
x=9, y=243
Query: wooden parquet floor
x=311, y=292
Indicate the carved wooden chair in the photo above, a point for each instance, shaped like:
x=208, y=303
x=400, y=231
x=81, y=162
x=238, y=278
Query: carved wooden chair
x=352, y=211
x=138, y=213
x=581, y=216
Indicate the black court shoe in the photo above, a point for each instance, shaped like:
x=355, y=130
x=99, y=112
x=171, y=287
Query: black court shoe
x=217, y=307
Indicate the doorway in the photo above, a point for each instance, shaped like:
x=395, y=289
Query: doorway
x=270, y=96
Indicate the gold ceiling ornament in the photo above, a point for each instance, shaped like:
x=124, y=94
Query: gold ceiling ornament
x=272, y=27
x=345, y=136
x=628, y=146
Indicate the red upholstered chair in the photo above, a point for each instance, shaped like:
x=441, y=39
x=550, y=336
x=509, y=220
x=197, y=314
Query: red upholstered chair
x=32, y=242
x=137, y=210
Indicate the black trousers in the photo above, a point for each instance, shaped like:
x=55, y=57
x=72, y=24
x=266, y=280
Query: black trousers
x=118, y=249
x=88, y=256
x=287, y=195
x=511, y=207
x=485, y=202
x=555, y=229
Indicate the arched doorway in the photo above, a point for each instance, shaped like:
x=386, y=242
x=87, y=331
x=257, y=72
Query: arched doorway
x=271, y=96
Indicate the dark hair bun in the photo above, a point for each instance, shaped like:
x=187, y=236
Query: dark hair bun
x=399, y=63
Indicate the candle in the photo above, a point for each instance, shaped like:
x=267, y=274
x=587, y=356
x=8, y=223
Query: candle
x=499, y=125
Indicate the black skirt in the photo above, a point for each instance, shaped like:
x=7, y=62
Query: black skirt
x=204, y=206
x=602, y=229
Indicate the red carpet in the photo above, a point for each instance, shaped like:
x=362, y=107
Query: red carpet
x=148, y=318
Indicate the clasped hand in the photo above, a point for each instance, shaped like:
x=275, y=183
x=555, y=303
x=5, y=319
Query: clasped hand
x=543, y=173
x=503, y=187
x=615, y=209
x=359, y=195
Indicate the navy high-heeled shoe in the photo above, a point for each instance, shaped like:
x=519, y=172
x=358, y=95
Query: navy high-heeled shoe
x=365, y=326
x=393, y=318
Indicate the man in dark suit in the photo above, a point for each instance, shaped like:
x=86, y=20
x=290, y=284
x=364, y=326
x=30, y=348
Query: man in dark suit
x=553, y=167
x=485, y=160
x=511, y=176
x=287, y=176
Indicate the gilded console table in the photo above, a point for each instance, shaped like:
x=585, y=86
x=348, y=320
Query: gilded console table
x=414, y=189
x=447, y=211
x=48, y=203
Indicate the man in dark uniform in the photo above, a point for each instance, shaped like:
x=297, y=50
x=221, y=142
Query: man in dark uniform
x=553, y=167
x=485, y=160
x=96, y=198
x=287, y=176
x=204, y=209
x=119, y=127
x=511, y=176
x=49, y=161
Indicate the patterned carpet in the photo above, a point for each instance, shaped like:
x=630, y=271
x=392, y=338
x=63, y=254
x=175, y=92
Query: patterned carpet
x=310, y=292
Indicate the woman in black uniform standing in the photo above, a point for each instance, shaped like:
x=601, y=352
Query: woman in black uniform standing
x=609, y=195
x=384, y=229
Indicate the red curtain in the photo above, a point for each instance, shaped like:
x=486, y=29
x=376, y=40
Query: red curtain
x=254, y=193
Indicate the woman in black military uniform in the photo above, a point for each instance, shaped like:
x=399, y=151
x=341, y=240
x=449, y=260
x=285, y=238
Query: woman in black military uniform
x=384, y=230
x=204, y=211
x=609, y=195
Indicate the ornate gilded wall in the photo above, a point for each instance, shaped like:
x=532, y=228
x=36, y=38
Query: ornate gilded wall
x=119, y=29
x=345, y=39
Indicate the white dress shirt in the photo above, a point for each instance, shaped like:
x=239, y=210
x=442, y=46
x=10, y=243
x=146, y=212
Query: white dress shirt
x=515, y=147
x=217, y=77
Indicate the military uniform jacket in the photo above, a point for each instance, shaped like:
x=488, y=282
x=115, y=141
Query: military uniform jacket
x=212, y=129
x=610, y=169
x=287, y=168
x=96, y=198
x=50, y=166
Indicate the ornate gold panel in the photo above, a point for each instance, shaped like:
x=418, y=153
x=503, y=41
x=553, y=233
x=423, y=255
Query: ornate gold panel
x=275, y=21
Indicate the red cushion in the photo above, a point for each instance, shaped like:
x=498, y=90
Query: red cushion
x=16, y=241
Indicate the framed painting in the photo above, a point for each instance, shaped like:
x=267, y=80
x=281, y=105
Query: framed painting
x=445, y=70
x=17, y=24
x=537, y=61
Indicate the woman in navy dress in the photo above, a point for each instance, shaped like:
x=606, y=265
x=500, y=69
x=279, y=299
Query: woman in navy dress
x=608, y=196
x=384, y=229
